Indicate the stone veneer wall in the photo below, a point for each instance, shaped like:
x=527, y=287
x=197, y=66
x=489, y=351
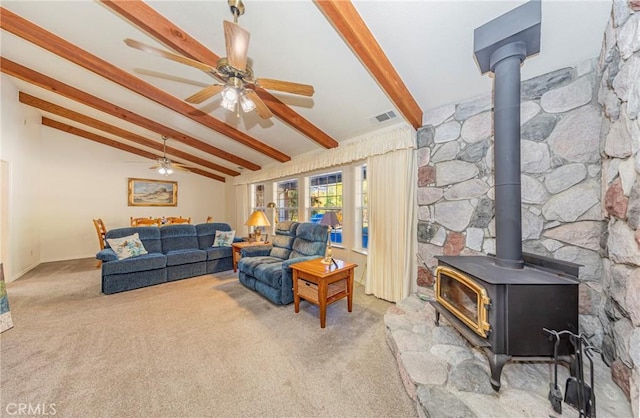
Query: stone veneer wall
x=619, y=95
x=579, y=139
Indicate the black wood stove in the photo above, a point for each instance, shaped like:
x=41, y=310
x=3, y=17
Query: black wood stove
x=502, y=303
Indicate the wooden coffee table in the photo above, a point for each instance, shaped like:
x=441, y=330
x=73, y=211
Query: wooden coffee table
x=236, y=250
x=323, y=284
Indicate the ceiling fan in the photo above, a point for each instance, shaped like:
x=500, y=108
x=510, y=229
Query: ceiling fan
x=236, y=80
x=164, y=165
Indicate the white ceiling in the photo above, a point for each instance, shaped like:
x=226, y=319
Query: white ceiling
x=430, y=44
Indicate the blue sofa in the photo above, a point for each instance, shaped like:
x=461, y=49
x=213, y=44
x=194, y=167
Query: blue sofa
x=174, y=252
x=266, y=269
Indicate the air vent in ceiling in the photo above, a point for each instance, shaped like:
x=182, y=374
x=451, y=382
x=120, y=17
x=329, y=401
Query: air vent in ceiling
x=383, y=117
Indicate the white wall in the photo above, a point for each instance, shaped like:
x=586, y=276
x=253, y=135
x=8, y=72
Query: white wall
x=60, y=182
x=20, y=151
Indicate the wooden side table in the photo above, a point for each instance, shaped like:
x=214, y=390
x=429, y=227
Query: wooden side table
x=236, y=250
x=322, y=284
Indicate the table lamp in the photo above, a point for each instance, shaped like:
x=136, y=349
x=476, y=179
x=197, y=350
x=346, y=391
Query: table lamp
x=331, y=220
x=257, y=220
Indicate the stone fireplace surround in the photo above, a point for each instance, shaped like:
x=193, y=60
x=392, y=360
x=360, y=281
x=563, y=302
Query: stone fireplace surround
x=580, y=136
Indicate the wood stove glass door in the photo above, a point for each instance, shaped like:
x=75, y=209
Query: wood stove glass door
x=464, y=298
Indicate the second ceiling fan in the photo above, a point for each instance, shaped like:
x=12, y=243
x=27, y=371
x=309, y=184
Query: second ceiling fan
x=237, y=82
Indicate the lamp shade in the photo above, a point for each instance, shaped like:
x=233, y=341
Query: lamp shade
x=257, y=218
x=330, y=219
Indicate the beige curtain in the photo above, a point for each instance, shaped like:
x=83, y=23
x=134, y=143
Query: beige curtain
x=391, y=269
x=242, y=210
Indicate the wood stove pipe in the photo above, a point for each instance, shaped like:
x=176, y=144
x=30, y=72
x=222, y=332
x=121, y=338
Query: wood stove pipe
x=500, y=46
x=505, y=64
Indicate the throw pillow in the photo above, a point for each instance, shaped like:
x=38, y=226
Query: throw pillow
x=126, y=247
x=223, y=238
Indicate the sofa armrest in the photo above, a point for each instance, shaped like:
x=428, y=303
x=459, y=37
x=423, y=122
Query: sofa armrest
x=256, y=251
x=107, y=255
x=286, y=291
x=287, y=263
x=238, y=239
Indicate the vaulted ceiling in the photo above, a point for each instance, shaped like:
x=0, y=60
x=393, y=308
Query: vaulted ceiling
x=364, y=58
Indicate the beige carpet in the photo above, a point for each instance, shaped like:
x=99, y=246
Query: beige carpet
x=205, y=346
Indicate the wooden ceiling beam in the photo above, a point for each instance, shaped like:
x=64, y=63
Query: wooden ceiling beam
x=114, y=130
x=26, y=30
x=33, y=77
x=115, y=144
x=166, y=32
x=349, y=24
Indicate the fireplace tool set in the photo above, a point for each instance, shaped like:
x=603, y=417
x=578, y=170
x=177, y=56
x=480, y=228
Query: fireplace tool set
x=578, y=393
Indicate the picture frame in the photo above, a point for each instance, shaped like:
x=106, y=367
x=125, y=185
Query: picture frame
x=146, y=192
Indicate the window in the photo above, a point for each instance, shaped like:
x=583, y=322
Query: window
x=287, y=200
x=258, y=197
x=325, y=193
x=362, y=213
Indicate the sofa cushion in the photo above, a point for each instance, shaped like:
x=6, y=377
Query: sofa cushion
x=270, y=274
x=149, y=236
x=283, y=239
x=178, y=237
x=207, y=232
x=250, y=264
x=311, y=240
x=287, y=228
x=281, y=252
x=185, y=256
x=215, y=253
x=312, y=232
x=144, y=262
x=125, y=247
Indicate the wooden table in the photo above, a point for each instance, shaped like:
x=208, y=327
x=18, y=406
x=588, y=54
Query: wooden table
x=323, y=284
x=236, y=250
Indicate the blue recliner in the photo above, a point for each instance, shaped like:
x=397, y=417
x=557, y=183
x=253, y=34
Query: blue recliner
x=267, y=269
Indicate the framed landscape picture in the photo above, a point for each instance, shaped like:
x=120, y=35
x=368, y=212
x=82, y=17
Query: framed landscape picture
x=144, y=192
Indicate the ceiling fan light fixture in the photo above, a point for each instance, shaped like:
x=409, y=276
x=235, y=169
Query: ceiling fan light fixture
x=230, y=106
x=162, y=170
x=230, y=94
x=246, y=103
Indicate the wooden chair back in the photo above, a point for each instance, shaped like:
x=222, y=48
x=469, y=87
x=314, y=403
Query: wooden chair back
x=209, y=219
x=144, y=222
x=101, y=230
x=172, y=220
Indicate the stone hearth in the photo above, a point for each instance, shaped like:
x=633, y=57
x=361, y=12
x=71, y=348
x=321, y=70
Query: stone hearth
x=449, y=378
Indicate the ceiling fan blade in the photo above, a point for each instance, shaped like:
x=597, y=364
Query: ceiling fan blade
x=153, y=167
x=205, y=93
x=237, y=44
x=179, y=167
x=286, y=86
x=169, y=55
x=261, y=107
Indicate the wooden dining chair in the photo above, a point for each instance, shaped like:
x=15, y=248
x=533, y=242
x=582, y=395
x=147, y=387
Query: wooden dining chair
x=172, y=220
x=144, y=222
x=101, y=230
x=209, y=219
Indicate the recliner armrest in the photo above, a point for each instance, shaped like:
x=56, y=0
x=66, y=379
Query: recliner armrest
x=256, y=251
x=106, y=255
x=289, y=262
